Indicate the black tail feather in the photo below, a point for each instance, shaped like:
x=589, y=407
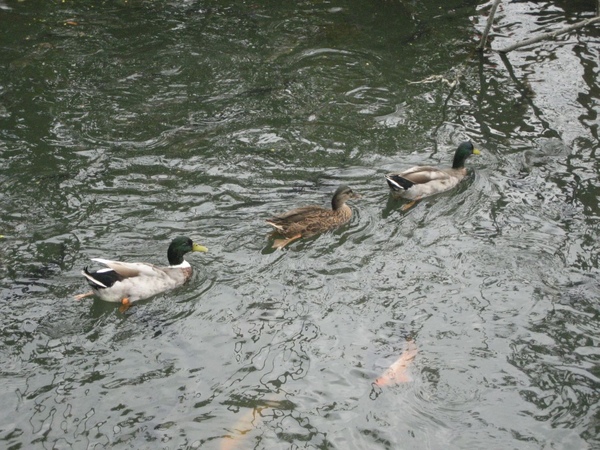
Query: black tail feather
x=105, y=276
x=397, y=183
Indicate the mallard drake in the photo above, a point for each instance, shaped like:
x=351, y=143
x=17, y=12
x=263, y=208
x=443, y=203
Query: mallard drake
x=126, y=283
x=423, y=181
x=310, y=220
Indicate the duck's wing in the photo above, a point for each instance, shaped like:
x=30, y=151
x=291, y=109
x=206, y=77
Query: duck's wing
x=424, y=174
x=103, y=278
x=129, y=270
x=296, y=215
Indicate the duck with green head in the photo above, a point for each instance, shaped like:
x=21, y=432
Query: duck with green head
x=125, y=283
x=310, y=220
x=422, y=181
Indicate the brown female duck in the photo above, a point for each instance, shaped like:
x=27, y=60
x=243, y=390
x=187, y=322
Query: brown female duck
x=310, y=220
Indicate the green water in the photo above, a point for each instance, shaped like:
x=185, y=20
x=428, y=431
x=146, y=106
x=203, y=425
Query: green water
x=124, y=124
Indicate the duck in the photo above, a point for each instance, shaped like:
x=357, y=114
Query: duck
x=125, y=283
x=422, y=181
x=307, y=221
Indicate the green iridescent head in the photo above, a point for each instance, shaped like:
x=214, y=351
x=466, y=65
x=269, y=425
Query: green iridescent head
x=179, y=247
x=464, y=150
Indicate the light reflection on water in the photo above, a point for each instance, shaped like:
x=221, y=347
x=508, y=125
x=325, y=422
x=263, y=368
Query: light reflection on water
x=146, y=121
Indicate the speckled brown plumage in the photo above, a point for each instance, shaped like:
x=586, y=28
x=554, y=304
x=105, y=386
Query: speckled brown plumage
x=310, y=220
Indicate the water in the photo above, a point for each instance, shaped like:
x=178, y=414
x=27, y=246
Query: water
x=123, y=124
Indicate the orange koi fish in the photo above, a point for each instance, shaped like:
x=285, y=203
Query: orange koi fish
x=398, y=372
x=245, y=425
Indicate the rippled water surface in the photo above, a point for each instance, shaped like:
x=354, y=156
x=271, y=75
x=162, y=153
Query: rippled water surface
x=124, y=124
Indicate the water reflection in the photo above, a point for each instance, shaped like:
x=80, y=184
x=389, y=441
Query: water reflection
x=148, y=120
x=558, y=358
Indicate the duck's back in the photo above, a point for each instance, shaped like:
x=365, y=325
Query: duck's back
x=309, y=220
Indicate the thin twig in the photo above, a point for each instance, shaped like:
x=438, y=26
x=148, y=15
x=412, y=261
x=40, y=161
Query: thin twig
x=488, y=25
x=453, y=85
x=434, y=79
x=527, y=97
x=551, y=35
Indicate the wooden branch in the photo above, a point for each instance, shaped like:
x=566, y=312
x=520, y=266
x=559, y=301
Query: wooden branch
x=551, y=35
x=488, y=25
x=436, y=78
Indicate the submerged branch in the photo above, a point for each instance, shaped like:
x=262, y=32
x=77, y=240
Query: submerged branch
x=452, y=84
x=550, y=35
x=436, y=78
x=488, y=25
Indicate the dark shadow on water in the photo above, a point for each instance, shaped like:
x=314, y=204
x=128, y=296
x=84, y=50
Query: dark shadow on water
x=394, y=206
x=100, y=308
x=268, y=248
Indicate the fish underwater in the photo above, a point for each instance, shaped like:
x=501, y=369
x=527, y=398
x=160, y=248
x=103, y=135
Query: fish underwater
x=398, y=372
x=246, y=423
